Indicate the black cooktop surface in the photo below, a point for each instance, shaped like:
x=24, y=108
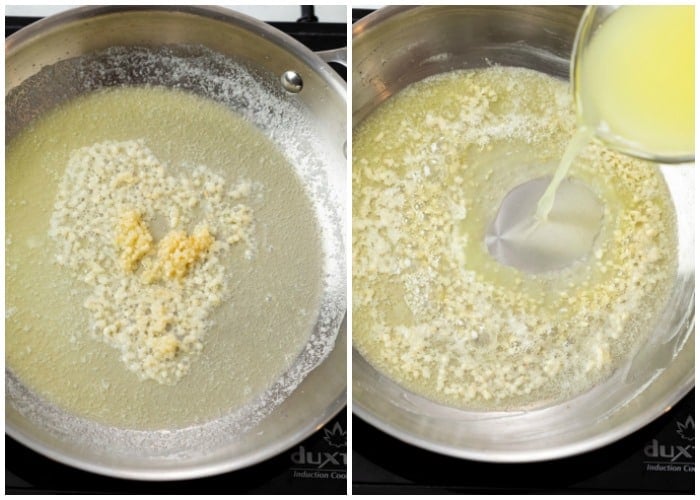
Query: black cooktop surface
x=659, y=458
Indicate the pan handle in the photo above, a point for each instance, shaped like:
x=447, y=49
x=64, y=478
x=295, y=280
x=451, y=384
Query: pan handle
x=339, y=56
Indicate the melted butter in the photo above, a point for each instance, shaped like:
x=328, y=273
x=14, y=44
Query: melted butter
x=258, y=331
x=432, y=308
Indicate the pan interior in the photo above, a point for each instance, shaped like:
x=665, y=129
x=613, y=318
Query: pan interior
x=189, y=106
x=431, y=40
x=435, y=309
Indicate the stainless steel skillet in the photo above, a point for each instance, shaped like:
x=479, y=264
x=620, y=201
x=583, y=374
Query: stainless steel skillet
x=398, y=45
x=41, y=63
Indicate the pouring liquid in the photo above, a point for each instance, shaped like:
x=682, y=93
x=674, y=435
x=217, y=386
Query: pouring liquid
x=636, y=88
x=579, y=141
x=541, y=229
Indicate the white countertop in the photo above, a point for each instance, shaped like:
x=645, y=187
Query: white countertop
x=279, y=13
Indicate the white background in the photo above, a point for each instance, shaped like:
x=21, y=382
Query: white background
x=290, y=13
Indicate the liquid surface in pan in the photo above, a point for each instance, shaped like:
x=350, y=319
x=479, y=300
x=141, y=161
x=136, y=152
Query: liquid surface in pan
x=204, y=239
x=433, y=309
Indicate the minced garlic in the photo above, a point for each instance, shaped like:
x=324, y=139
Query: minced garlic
x=149, y=298
x=133, y=239
x=177, y=252
x=431, y=307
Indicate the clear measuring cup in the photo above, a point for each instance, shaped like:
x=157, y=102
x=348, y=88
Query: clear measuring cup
x=635, y=64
